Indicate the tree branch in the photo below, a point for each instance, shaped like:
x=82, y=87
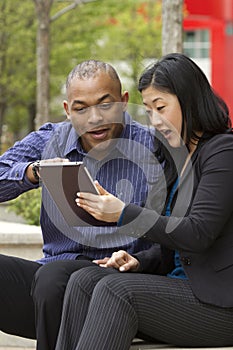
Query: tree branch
x=69, y=8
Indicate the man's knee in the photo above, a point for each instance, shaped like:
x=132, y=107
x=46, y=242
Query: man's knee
x=50, y=281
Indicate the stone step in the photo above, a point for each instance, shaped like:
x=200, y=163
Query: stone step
x=11, y=342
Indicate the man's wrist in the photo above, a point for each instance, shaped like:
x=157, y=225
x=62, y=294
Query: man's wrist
x=35, y=170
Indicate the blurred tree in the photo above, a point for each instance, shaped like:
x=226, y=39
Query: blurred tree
x=43, y=9
x=172, y=30
x=17, y=64
x=125, y=34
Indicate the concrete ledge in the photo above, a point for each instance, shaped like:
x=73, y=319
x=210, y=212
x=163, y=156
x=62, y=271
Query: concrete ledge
x=21, y=240
x=11, y=342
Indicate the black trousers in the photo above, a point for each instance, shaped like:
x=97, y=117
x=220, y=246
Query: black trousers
x=104, y=309
x=31, y=297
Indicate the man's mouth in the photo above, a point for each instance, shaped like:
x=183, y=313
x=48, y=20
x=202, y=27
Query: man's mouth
x=98, y=134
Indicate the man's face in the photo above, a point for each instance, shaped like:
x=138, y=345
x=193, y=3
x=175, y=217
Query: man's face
x=95, y=108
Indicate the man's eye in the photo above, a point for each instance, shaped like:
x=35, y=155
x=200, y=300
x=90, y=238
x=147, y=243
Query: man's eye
x=105, y=105
x=81, y=110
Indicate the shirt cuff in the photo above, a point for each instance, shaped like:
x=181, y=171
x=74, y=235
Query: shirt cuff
x=119, y=222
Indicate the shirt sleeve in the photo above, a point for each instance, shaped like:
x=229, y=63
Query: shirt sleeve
x=14, y=161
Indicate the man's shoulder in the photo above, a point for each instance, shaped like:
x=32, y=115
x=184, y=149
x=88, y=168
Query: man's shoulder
x=54, y=126
x=136, y=127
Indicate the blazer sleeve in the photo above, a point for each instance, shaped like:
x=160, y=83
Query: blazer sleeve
x=210, y=205
x=155, y=260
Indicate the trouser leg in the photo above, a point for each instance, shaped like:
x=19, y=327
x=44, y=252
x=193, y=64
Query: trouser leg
x=76, y=302
x=48, y=292
x=17, y=309
x=159, y=307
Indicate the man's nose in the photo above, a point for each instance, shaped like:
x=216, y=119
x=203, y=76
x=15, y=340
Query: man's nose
x=94, y=115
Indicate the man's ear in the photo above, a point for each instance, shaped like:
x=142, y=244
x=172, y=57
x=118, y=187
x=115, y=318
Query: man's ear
x=66, y=108
x=124, y=100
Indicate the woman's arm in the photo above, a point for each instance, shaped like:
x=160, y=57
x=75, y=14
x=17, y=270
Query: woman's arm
x=210, y=206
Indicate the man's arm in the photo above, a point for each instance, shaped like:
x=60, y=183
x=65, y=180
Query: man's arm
x=16, y=175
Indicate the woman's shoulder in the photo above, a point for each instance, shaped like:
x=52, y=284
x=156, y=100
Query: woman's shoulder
x=221, y=143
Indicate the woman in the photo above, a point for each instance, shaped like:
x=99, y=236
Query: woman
x=185, y=294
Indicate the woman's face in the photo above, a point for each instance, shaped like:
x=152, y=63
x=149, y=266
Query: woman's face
x=164, y=113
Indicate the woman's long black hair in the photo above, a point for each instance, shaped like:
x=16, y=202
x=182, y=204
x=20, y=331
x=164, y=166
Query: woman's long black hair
x=202, y=109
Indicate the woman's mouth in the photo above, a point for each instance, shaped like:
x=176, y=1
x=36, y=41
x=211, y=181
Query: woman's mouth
x=165, y=133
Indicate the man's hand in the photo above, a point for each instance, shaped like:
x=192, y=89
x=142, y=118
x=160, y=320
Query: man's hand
x=29, y=172
x=121, y=261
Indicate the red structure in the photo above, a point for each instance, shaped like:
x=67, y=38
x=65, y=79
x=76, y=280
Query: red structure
x=215, y=19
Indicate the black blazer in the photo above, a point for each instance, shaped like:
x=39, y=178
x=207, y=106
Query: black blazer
x=200, y=226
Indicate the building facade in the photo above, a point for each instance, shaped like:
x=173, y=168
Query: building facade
x=208, y=39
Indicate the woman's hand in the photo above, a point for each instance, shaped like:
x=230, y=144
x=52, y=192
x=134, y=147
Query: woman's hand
x=121, y=261
x=105, y=206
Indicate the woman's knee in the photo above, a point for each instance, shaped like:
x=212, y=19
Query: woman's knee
x=87, y=278
x=114, y=285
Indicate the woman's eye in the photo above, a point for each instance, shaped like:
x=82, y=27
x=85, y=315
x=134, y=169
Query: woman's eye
x=149, y=112
x=160, y=108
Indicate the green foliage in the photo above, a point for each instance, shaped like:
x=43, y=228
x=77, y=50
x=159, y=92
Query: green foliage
x=17, y=59
x=107, y=30
x=124, y=33
x=27, y=205
x=115, y=31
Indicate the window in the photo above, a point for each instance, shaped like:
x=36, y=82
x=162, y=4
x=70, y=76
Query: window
x=197, y=43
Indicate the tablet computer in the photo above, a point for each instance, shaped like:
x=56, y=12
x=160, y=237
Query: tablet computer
x=63, y=180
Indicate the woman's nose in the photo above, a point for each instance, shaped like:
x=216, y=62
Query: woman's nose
x=156, y=119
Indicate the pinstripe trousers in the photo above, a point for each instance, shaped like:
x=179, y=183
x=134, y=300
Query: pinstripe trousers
x=105, y=309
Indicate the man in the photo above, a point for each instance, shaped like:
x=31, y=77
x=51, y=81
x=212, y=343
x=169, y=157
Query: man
x=100, y=133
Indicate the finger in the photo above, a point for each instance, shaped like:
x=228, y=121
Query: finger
x=132, y=265
x=88, y=196
x=101, y=261
x=90, y=210
x=112, y=263
x=85, y=202
x=125, y=267
x=101, y=190
x=121, y=255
